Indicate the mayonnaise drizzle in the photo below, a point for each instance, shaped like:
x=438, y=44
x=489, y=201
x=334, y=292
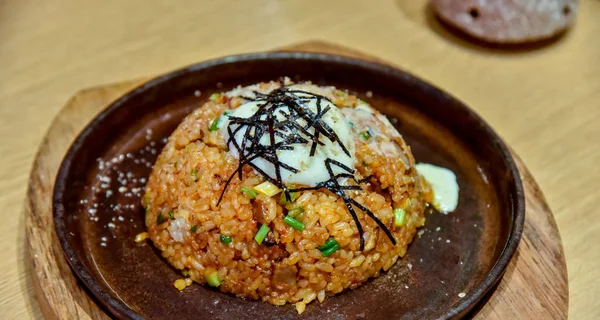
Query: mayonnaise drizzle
x=444, y=184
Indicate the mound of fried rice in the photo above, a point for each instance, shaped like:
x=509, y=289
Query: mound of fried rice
x=189, y=177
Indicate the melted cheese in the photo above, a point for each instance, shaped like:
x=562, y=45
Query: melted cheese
x=311, y=170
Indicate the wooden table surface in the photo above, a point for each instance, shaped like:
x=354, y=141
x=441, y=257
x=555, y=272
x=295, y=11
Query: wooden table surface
x=544, y=101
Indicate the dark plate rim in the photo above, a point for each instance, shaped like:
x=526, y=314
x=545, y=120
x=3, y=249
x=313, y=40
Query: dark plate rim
x=120, y=308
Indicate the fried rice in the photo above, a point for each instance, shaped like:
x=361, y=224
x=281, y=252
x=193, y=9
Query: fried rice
x=214, y=241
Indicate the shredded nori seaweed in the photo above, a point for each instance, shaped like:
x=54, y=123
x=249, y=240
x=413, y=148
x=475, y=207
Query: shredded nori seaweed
x=291, y=104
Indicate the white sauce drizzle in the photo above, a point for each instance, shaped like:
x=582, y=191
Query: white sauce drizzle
x=444, y=184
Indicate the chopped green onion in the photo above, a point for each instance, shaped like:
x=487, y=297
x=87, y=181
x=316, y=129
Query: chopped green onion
x=215, y=96
x=194, y=174
x=159, y=219
x=262, y=233
x=185, y=273
x=267, y=188
x=399, y=217
x=283, y=199
x=329, y=244
x=249, y=192
x=294, y=223
x=194, y=228
x=328, y=252
x=171, y=215
x=296, y=212
x=225, y=239
x=213, y=279
x=365, y=135
x=227, y=112
x=214, y=126
x=351, y=123
x=365, y=164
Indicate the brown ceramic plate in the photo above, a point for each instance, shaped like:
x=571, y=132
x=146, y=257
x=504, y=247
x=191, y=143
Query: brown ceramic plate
x=457, y=260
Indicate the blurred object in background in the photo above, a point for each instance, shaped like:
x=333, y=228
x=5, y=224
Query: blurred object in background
x=507, y=21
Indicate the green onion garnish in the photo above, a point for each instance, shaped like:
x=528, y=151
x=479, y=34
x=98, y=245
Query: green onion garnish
x=171, y=215
x=213, y=279
x=296, y=212
x=365, y=164
x=159, y=219
x=225, y=239
x=194, y=228
x=351, y=123
x=283, y=199
x=329, y=247
x=249, y=192
x=399, y=217
x=365, y=135
x=185, y=273
x=267, y=188
x=194, y=174
x=331, y=250
x=262, y=233
x=329, y=244
x=294, y=223
x=215, y=96
x=214, y=126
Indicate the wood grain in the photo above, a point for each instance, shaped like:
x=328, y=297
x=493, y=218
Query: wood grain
x=542, y=100
x=56, y=288
x=535, y=284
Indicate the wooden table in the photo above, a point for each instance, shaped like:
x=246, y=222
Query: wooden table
x=545, y=101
